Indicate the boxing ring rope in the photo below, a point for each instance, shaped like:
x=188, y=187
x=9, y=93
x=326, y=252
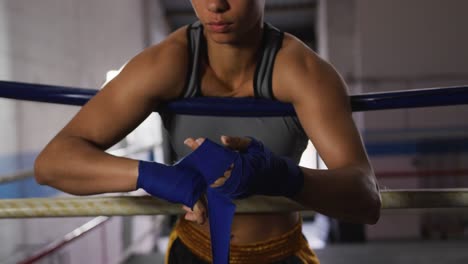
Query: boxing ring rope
x=428, y=97
x=146, y=205
x=16, y=176
x=126, y=205
x=82, y=230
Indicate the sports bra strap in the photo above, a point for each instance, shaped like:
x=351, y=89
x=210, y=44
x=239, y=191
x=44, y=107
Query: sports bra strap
x=271, y=43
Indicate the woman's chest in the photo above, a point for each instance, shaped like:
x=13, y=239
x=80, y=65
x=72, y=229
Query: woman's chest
x=283, y=135
x=225, y=85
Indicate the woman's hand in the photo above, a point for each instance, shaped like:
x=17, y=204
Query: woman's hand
x=199, y=212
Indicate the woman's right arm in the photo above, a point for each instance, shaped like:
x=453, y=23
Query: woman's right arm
x=75, y=160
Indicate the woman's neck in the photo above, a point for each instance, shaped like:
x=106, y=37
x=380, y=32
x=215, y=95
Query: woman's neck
x=233, y=63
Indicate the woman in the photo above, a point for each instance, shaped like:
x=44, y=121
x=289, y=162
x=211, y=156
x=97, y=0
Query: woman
x=231, y=52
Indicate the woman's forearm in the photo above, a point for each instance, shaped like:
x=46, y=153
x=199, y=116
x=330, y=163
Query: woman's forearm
x=349, y=194
x=76, y=166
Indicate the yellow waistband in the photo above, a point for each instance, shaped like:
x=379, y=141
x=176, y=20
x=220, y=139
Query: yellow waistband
x=271, y=250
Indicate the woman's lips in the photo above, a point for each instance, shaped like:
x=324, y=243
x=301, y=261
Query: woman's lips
x=219, y=27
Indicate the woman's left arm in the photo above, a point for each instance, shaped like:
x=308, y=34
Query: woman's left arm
x=348, y=190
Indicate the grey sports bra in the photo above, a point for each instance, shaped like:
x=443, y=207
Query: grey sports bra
x=283, y=135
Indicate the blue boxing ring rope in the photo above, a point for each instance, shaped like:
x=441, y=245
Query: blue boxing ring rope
x=241, y=107
x=244, y=107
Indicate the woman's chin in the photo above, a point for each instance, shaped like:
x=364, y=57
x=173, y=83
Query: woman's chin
x=225, y=38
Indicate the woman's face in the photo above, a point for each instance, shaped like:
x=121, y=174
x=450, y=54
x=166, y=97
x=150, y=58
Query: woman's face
x=229, y=21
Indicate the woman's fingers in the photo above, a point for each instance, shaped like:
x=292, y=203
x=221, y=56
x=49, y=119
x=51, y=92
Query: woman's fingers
x=236, y=143
x=192, y=216
x=198, y=214
x=187, y=209
x=192, y=143
x=221, y=180
x=189, y=215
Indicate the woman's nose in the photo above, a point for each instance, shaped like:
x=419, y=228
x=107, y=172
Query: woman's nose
x=218, y=6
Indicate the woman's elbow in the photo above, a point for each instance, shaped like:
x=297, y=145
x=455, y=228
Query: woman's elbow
x=42, y=169
x=372, y=197
x=374, y=207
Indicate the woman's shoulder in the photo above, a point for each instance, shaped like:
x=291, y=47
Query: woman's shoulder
x=162, y=67
x=175, y=43
x=296, y=57
x=298, y=64
x=295, y=51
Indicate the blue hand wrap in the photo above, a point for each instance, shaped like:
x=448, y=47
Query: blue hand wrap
x=256, y=171
x=260, y=171
x=178, y=183
x=212, y=160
